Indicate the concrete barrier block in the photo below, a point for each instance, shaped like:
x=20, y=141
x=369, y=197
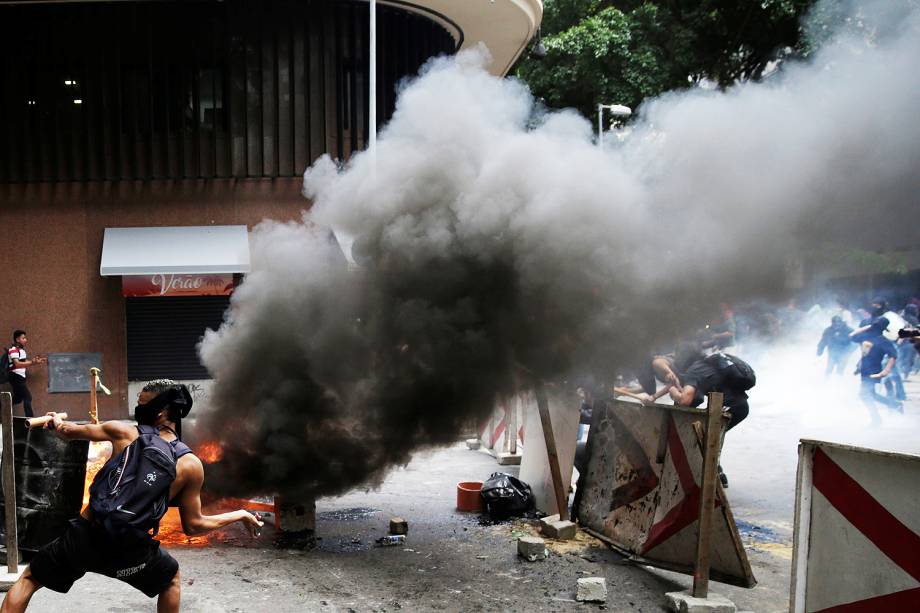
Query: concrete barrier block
x=685, y=602
x=548, y=520
x=560, y=530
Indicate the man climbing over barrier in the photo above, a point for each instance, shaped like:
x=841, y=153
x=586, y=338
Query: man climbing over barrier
x=719, y=372
x=149, y=467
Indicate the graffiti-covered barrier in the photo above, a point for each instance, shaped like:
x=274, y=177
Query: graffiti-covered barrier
x=641, y=490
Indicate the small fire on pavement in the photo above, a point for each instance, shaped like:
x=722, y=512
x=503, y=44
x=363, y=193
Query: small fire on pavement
x=171, y=525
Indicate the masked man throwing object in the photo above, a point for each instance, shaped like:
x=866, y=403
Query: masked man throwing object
x=149, y=467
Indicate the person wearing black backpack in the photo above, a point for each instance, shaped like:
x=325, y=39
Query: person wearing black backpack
x=719, y=372
x=149, y=467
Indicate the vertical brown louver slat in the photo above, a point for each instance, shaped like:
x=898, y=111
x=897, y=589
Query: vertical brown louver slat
x=275, y=102
x=285, y=145
x=339, y=117
x=162, y=334
x=153, y=167
x=7, y=103
x=299, y=95
x=227, y=92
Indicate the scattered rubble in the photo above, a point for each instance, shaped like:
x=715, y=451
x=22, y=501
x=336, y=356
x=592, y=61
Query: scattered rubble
x=391, y=540
x=532, y=548
x=591, y=589
x=398, y=525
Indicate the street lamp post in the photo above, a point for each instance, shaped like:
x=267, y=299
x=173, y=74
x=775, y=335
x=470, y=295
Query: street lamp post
x=372, y=80
x=616, y=110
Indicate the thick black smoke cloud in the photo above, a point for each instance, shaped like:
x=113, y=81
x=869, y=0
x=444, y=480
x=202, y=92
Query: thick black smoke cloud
x=498, y=244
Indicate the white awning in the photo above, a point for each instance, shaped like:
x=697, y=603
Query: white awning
x=177, y=249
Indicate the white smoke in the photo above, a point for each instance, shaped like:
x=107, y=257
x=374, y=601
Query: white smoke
x=497, y=239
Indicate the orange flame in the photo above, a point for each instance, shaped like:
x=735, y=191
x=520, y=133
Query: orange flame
x=99, y=454
x=209, y=452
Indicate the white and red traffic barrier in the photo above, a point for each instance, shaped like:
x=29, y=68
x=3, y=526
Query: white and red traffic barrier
x=857, y=530
x=507, y=417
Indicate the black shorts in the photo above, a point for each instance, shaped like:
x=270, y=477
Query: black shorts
x=85, y=547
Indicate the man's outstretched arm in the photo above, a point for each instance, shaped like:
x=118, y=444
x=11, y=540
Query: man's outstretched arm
x=111, y=431
x=193, y=522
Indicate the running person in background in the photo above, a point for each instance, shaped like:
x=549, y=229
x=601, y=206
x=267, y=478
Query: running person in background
x=19, y=362
x=879, y=356
x=723, y=333
x=894, y=386
x=106, y=547
x=836, y=339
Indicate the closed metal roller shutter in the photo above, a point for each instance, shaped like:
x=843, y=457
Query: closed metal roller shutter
x=163, y=333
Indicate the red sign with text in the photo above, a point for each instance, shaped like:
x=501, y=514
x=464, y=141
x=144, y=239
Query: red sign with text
x=166, y=284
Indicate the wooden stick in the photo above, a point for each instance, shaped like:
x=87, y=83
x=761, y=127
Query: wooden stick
x=9, y=483
x=511, y=424
x=707, y=495
x=553, y=457
x=93, y=406
x=729, y=516
x=625, y=392
x=39, y=422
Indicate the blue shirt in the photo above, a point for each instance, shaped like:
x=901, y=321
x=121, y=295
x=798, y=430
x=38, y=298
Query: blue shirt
x=873, y=362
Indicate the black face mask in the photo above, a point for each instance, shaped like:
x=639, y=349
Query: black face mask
x=146, y=414
x=178, y=396
x=878, y=311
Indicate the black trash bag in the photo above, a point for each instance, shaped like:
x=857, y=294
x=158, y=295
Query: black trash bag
x=505, y=496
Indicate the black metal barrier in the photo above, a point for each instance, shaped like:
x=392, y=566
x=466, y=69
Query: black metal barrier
x=50, y=473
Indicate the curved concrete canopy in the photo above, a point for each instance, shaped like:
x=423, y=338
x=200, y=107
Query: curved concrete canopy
x=505, y=26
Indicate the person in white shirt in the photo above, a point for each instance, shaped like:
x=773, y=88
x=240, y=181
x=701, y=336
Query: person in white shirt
x=19, y=362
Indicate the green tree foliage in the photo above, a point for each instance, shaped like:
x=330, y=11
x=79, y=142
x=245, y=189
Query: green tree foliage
x=621, y=51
